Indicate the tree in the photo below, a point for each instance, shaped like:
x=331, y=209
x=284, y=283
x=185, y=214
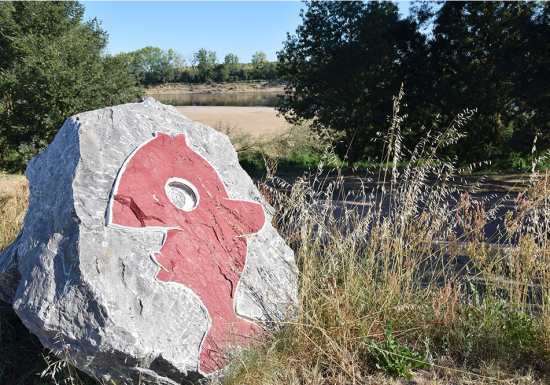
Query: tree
x=154, y=65
x=231, y=63
x=207, y=61
x=343, y=66
x=231, y=60
x=259, y=59
x=52, y=66
x=532, y=84
x=262, y=69
x=177, y=62
x=191, y=58
x=492, y=56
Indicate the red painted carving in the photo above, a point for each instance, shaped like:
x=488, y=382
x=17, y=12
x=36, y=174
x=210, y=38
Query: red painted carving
x=204, y=249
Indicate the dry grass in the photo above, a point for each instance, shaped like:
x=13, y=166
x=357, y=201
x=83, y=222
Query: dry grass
x=8, y=182
x=382, y=295
x=381, y=291
x=13, y=206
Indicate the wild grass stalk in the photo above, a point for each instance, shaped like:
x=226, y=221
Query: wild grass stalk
x=13, y=206
x=401, y=279
x=382, y=286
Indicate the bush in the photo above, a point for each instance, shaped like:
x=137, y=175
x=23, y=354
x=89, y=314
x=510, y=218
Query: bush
x=53, y=66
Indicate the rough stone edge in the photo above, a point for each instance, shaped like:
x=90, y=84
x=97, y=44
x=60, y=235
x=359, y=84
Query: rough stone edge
x=9, y=273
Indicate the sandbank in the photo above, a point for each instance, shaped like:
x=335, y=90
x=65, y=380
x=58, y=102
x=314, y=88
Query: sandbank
x=254, y=120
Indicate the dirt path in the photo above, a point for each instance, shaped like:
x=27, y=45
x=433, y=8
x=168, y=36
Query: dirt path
x=487, y=184
x=495, y=191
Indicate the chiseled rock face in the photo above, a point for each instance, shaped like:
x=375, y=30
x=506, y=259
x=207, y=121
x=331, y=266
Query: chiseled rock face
x=147, y=252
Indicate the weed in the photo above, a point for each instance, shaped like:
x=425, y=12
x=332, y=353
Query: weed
x=395, y=266
x=391, y=357
x=226, y=128
x=380, y=272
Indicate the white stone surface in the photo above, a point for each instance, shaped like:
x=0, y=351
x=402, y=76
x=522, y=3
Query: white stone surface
x=89, y=291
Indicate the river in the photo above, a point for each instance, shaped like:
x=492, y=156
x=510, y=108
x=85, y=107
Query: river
x=222, y=99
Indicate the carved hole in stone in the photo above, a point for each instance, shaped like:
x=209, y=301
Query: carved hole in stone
x=182, y=194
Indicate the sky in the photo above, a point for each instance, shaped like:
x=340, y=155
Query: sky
x=237, y=27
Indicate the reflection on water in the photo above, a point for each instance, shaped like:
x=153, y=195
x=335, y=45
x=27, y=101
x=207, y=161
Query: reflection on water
x=229, y=99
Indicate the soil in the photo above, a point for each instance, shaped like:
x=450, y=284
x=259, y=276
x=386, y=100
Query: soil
x=482, y=183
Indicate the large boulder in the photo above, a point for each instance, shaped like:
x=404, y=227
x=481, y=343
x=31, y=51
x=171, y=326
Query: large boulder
x=147, y=252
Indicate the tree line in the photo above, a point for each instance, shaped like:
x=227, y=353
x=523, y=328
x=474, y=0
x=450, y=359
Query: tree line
x=341, y=67
x=347, y=59
x=53, y=64
x=153, y=65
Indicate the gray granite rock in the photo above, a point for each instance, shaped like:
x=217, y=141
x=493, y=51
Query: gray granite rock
x=90, y=285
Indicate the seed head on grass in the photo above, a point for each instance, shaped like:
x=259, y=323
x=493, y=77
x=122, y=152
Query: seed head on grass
x=381, y=264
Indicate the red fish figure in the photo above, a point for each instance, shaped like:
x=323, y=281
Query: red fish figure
x=166, y=185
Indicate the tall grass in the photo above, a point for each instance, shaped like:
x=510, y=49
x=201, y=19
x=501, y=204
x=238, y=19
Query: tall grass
x=13, y=206
x=411, y=283
x=401, y=280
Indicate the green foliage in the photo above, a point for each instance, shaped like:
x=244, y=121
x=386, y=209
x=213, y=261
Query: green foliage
x=298, y=148
x=152, y=65
x=252, y=162
x=230, y=68
x=492, y=56
x=390, y=356
x=301, y=158
x=259, y=59
x=343, y=64
x=207, y=61
x=485, y=327
x=347, y=59
x=231, y=59
x=266, y=70
x=52, y=66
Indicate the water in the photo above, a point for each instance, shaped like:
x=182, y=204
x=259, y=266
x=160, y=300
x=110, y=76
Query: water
x=229, y=99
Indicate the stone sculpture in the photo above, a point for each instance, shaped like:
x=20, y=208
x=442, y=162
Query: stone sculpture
x=147, y=252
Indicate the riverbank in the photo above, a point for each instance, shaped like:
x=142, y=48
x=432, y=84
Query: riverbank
x=255, y=121
x=214, y=88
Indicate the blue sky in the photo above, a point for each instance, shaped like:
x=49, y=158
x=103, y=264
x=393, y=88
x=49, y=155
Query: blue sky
x=238, y=27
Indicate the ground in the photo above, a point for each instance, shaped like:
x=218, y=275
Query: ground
x=253, y=120
x=207, y=88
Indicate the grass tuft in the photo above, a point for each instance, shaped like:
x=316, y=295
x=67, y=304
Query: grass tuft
x=13, y=206
x=401, y=280
x=398, y=279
